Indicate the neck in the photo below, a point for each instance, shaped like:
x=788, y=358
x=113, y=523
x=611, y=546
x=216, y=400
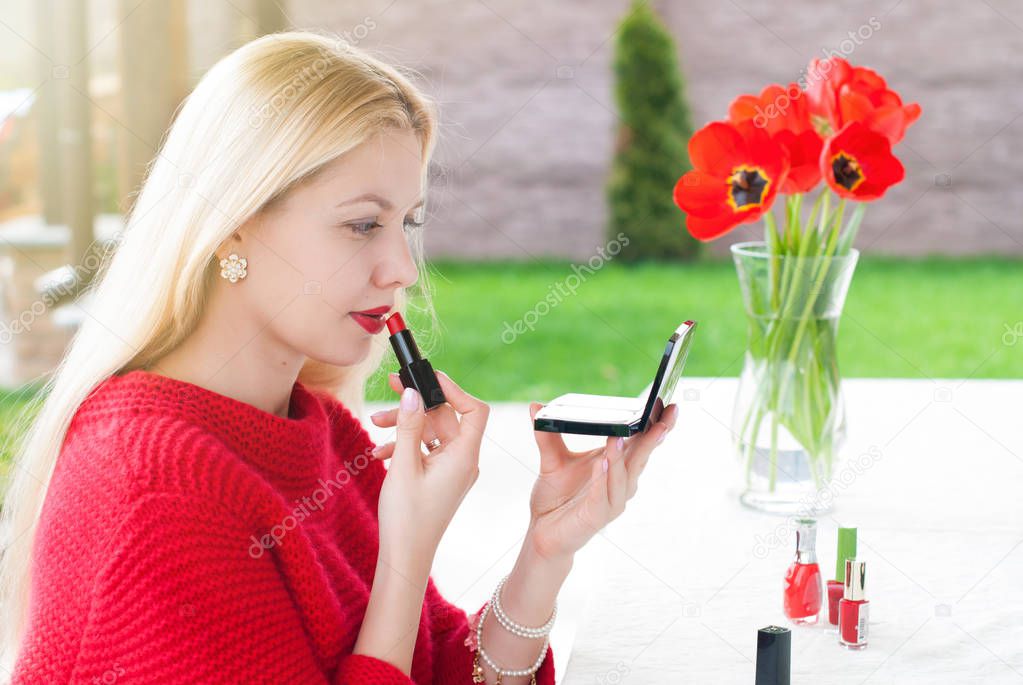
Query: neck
x=229, y=355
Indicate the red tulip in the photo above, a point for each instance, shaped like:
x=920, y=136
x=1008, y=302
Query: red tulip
x=737, y=171
x=785, y=114
x=775, y=109
x=804, y=151
x=858, y=163
x=839, y=93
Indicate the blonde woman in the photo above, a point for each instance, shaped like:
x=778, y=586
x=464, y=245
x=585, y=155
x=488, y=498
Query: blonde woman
x=196, y=501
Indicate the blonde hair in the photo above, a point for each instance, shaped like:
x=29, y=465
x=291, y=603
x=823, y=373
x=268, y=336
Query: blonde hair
x=266, y=117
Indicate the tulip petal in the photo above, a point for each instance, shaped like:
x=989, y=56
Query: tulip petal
x=716, y=148
x=708, y=229
x=874, y=168
x=700, y=194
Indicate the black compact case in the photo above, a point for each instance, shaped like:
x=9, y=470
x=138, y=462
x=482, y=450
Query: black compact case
x=623, y=416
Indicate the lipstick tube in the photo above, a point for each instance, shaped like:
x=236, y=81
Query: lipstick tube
x=415, y=371
x=774, y=656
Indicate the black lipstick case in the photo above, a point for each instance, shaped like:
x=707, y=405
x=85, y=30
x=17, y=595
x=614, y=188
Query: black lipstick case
x=416, y=372
x=774, y=656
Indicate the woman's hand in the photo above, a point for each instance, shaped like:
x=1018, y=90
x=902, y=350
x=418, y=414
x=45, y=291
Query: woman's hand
x=574, y=497
x=422, y=491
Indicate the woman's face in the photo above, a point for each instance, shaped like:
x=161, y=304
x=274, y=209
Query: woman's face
x=335, y=245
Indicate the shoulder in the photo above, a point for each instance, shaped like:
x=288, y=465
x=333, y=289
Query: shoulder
x=130, y=454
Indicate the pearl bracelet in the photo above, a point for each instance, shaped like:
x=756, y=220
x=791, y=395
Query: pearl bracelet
x=477, y=676
x=516, y=628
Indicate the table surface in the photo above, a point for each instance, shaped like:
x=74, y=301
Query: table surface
x=674, y=590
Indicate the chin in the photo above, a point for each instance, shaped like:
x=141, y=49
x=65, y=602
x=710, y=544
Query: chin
x=354, y=351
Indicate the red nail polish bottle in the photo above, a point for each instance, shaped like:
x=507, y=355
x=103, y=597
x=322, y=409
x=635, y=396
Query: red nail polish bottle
x=803, y=580
x=853, y=609
x=836, y=587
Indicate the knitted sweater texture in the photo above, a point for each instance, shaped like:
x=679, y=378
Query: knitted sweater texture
x=188, y=537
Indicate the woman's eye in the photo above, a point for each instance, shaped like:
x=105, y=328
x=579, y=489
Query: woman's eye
x=411, y=224
x=365, y=227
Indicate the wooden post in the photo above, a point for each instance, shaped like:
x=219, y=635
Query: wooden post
x=46, y=116
x=153, y=82
x=270, y=16
x=71, y=76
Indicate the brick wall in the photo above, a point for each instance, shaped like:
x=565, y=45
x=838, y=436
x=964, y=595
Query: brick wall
x=528, y=117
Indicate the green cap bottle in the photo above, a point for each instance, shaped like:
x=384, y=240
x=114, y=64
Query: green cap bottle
x=846, y=550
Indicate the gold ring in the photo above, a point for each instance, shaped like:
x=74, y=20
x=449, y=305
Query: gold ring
x=433, y=444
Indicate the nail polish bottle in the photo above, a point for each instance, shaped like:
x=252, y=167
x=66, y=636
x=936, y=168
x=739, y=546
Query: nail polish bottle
x=774, y=656
x=802, y=591
x=836, y=587
x=853, y=609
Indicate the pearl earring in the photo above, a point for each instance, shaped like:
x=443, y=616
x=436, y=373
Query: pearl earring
x=233, y=268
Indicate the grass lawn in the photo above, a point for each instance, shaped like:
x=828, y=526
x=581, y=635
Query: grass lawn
x=903, y=318
x=915, y=319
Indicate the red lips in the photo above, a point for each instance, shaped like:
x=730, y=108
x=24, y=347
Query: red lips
x=371, y=319
x=379, y=311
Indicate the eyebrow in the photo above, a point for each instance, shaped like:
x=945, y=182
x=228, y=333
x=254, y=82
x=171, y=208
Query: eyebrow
x=383, y=202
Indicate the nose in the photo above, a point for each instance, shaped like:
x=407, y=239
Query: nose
x=397, y=266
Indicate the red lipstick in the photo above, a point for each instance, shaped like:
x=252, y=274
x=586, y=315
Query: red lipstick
x=415, y=371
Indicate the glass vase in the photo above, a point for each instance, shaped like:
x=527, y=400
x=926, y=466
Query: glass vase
x=788, y=420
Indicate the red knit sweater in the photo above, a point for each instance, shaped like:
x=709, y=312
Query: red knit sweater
x=188, y=537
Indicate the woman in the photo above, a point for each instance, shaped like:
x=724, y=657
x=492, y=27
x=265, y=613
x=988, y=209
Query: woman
x=217, y=513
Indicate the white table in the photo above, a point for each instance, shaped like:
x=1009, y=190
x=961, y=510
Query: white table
x=675, y=589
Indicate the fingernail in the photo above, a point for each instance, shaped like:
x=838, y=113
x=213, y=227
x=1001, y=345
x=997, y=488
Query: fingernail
x=409, y=399
x=620, y=444
x=605, y=465
x=377, y=450
x=660, y=438
x=376, y=414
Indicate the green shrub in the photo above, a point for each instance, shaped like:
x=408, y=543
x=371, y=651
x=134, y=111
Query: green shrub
x=650, y=152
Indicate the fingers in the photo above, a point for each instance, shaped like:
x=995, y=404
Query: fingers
x=385, y=418
x=388, y=418
x=596, y=497
x=654, y=433
x=407, y=452
x=617, y=475
x=474, y=412
x=394, y=380
x=552, y=445
x=639, y=448
x=441, y=421
x=383, y=451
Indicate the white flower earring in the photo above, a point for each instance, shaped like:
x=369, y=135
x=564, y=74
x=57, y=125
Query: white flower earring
x=233, y=268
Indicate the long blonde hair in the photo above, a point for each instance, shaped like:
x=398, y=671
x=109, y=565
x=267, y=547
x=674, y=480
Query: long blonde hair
x=264, y=118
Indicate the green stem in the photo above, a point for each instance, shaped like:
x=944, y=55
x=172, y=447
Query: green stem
x=780, y=332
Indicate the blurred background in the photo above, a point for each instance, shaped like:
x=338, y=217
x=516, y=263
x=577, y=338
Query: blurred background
x=537, y=172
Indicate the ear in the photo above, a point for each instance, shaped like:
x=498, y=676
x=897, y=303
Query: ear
x=234, y=243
